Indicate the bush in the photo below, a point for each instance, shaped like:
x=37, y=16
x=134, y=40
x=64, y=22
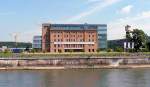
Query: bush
x=144, y=50
x=109, y=50
x=33, y=51
x=7, y=51
x=98, y=50
x=119, y=49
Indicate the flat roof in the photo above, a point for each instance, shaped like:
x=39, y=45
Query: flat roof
x=73, y=25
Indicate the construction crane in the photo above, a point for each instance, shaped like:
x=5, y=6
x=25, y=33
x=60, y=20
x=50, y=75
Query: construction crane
x=15, y=37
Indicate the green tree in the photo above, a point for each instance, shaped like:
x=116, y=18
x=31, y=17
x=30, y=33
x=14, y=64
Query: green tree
x=139, y=38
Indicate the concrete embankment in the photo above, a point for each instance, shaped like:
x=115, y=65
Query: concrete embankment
x=74, y=63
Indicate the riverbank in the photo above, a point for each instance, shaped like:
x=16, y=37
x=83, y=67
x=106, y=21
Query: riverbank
x=113, y=62
x=76, y=67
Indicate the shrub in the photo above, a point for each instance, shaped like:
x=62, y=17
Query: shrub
x=119, y=49
x=98, y=50
x=109, y=50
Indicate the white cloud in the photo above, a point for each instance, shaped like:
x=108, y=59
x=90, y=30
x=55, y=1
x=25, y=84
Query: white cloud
x=141, y=21
x=126, y=9
x=95, y=8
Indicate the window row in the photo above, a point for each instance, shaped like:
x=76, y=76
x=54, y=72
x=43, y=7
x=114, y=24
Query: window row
x=69, y=45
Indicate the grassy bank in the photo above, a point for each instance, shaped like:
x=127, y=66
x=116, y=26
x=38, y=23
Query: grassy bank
x=69, y=55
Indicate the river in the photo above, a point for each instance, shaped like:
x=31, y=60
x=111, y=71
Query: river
x=76, y=78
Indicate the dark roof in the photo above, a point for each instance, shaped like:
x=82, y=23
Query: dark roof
x=71, y=25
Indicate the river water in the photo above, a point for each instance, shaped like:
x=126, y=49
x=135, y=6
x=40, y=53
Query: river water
x=76, y=78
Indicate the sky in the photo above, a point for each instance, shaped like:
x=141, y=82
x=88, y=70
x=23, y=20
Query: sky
x=25, y=17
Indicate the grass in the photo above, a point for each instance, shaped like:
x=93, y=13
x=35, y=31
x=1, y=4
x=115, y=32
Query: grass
x=3, y=54
x=69, y=55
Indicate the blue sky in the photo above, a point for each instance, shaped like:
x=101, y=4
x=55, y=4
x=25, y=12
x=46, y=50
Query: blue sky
x=25, y=17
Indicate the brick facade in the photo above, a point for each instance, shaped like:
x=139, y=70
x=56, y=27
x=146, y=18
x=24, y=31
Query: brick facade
x=69, y=37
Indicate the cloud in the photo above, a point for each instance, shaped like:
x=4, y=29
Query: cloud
x=141, y=21
x=95, y=8
x=126, y=9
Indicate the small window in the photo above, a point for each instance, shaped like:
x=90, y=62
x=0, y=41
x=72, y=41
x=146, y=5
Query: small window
x=93, y=50
x=89, y=50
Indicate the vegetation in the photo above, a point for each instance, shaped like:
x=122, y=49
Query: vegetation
x=68, y=55
x=139, y=38
x=119, y=49
x=13, y=44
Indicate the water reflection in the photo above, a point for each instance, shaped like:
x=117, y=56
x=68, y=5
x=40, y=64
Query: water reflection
x=76, y=78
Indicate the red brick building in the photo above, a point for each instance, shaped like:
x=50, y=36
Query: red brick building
x=69, y=37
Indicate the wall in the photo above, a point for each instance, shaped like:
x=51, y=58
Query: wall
x=74, y=62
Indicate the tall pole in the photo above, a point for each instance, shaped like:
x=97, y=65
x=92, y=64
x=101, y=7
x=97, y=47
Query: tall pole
x=16, y=37
x=127, y=41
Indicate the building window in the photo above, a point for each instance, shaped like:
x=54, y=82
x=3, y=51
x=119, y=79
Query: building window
x=80, y=40
x=93, y=50
x=89, y=50
x=80, y=45
x=59, y=51
x=55, y=45
x=54, y=50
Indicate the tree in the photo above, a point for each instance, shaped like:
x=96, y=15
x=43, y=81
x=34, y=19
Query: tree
x=139, y=38
x=148, y=46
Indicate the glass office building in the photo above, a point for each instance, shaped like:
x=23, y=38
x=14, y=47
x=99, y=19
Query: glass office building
x=102, y=36
x=37, y=42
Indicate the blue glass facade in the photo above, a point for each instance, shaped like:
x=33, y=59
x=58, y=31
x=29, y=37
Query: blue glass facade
x=37, y=42
x=102, y=36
